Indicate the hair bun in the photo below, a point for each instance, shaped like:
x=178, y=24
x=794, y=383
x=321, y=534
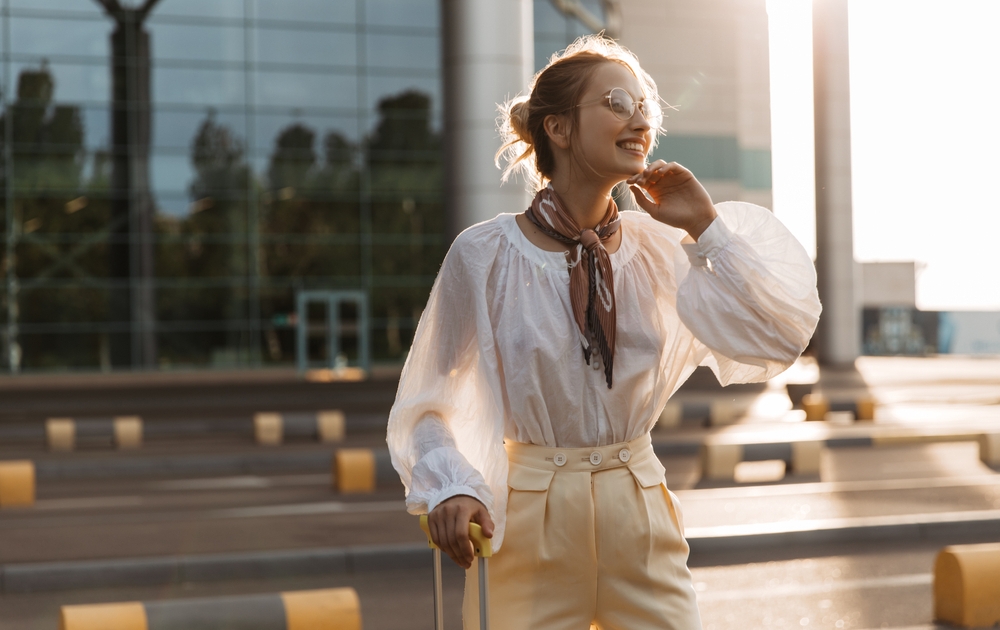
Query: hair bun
x=519, y=121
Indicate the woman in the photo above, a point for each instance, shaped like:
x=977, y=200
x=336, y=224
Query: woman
x=553, y=338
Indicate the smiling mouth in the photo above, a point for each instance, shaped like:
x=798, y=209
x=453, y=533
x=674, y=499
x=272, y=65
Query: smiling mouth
x=632, y=146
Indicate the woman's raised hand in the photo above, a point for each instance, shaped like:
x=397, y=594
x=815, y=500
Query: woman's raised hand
x=449, y=525
x=675, y=197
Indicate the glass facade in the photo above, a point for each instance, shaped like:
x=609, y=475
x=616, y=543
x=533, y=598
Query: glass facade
x=173, y=177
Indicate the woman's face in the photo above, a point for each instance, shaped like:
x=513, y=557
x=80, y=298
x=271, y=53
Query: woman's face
x=606, y=146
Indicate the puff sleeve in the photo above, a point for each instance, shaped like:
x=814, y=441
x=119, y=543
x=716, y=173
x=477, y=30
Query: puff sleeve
x=749, y=294
x=445, y=430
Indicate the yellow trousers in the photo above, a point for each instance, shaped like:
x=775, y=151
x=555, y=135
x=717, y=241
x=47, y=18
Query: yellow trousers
x=594, y=540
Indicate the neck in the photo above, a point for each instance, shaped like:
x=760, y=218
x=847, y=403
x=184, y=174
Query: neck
x=586, y=200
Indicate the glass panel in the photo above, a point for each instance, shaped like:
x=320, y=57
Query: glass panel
x=84, y=82
x=56, y=7
x=178, y=128
x=409, y=13
x=306, y=10
x=380, y=88
x=60, y=351
x=198, y=86
x=307, y=47
x=49, y=37
x=294, y=89
x=200, y=8
x=170, y=175
x=403, y=51
x=196, y=42
x=267, y=129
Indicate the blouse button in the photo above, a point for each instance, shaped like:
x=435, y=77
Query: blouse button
x=559, y=459
x=595, y=458
x=595, y=363
x=624, y=455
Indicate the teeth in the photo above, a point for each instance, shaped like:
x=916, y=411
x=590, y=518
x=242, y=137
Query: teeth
x=631, y=146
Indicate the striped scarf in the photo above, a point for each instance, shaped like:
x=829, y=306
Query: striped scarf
x=591, y=283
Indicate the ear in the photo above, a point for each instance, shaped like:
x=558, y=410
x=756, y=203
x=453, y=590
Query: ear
x=557, y=128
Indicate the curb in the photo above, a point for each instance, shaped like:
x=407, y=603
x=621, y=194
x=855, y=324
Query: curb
x=209, y=465
x=166, y=570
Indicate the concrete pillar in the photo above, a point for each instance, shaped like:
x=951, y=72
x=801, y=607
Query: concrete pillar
x=488, y=56
x=839, y=334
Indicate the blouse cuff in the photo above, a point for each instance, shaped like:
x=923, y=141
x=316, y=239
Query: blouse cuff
x=712, y=241
x=442, y=474
x=453, y=491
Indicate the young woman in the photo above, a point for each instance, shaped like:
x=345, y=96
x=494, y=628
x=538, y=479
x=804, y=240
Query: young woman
x=553, y=338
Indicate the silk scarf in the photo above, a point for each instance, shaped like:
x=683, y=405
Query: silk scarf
x=591, y=283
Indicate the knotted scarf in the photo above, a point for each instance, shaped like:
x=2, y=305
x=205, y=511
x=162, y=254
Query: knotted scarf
x=591, y=283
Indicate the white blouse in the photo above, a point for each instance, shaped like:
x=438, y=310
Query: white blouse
x=497, y=354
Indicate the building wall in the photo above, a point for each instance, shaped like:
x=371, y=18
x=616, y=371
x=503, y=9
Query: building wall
x=710, y=60
x=293, y=145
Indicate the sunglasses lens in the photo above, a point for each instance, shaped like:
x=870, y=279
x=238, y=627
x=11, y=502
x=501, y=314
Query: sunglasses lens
x=653, y=112
x=621, y=104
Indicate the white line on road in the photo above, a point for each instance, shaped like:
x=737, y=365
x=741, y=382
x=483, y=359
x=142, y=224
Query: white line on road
x=825, y=487
x=796, y=590
x=87, y=503
x=300, y=509
x=808, y=525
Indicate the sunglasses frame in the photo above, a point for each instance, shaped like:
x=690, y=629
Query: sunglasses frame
x=641, y=104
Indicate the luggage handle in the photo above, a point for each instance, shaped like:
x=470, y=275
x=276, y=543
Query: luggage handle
x=483, y=548
x=482, y=545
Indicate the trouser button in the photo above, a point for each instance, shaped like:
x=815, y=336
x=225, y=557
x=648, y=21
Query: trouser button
x=595, y=458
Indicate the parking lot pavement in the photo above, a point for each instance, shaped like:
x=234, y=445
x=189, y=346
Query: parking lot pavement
x=831, y=587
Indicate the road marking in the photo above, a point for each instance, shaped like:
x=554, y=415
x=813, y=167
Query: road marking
x=859, y=522
x=217, y=483
x=252, y=482
x=301, y=509
x=796, y=590
x=87, y=503
x=826, y=487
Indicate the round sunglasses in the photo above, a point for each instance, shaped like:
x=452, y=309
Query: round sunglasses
x=623, y=106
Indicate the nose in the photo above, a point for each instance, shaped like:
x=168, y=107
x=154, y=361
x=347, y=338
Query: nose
x=639, y=121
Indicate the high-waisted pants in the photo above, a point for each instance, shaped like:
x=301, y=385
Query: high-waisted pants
x=594, y=540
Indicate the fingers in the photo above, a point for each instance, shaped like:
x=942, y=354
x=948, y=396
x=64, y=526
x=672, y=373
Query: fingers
x=482, y=516
x=642, y=199
x=449, y=525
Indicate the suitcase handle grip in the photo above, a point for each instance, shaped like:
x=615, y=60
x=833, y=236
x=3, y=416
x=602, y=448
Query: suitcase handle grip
x=482, y=545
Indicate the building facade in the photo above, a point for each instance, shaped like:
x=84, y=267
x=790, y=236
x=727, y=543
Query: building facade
x=175, y=172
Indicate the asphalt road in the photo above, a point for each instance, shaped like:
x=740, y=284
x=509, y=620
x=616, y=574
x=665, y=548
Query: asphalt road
x=831, y=587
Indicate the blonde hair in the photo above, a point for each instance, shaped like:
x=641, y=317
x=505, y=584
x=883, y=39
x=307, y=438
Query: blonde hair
x=557, y=89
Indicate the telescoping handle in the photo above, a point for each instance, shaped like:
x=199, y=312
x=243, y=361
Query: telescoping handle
x=483, y=548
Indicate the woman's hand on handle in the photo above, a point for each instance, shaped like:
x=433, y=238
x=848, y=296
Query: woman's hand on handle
x=675, y=197
x=449, y=525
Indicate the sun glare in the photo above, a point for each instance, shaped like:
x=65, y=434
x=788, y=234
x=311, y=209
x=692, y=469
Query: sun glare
x=925, y=133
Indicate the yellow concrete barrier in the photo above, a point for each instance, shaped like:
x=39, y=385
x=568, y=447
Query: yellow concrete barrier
x=806, y=457
x=267, y=428
x=815, y=406
x=330, y=426
x=123, y=616
x=60, y=434
x=718, y=461
x=989, y=449
x=967, y=585
x=17, y=483
x=325, y=609
x=128, y=432
x=354, y=470
x=866, y=408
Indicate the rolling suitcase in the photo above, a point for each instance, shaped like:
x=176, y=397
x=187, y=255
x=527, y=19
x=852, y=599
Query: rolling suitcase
x=483, y=550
